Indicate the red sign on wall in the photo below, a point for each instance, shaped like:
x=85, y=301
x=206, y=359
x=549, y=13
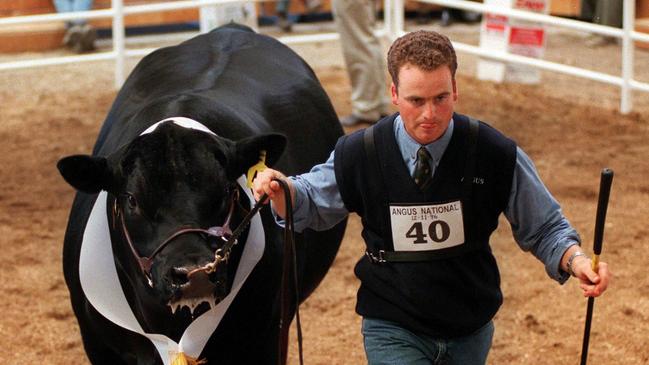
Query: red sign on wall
x=527, y=37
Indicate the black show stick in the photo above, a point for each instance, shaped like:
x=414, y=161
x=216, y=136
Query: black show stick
x=604, y=192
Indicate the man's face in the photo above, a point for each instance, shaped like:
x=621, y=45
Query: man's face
x=425, y=100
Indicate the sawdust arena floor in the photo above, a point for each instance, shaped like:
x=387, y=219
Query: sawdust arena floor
x=571, y=128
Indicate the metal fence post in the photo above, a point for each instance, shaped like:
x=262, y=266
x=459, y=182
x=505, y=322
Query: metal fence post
x=628, y=54
x=388, y=18
x=397, y=15
x=118, y=41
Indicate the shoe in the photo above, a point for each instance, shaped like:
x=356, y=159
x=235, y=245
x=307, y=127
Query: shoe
x=72, y=36
x=88, y=37
x=284, y=23
x=352, y=120
x=596, y=40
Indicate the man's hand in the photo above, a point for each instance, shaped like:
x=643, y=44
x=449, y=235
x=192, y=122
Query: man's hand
x=264, y=184
x=592, y=283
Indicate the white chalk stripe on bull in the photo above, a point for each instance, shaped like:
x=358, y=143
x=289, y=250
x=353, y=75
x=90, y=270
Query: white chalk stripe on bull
x=101, y=286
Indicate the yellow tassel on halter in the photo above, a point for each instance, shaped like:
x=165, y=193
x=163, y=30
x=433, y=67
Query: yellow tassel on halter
x=182, y=359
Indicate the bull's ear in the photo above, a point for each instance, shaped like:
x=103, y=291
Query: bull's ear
x=85, y=173
x=247, y=151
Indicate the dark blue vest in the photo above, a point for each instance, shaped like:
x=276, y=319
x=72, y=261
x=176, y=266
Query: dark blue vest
x=451, y=295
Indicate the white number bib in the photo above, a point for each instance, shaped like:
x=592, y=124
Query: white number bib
x=427, y=227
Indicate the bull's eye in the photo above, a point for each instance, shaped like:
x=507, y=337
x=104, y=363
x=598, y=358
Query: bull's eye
x=132, y=202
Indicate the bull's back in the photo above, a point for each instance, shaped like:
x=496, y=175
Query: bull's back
x=237, y=82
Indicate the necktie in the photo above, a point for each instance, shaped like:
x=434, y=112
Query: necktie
x=422, y=173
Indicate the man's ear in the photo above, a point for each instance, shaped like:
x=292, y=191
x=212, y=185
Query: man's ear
x=85, y=173
x=248, y=150
x=394, y=94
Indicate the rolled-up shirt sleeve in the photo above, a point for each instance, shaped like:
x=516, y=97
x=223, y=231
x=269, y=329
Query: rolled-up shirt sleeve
x=537, y=221
x=318, y=204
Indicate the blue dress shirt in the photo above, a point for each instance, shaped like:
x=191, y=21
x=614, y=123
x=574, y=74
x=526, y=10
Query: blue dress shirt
x=537, y=222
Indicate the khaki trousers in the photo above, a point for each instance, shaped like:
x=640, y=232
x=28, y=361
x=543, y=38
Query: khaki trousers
x=364, y=56
x=603, y=12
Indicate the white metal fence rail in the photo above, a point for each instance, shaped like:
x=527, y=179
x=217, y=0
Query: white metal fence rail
x=627, y=34
x=393, y=27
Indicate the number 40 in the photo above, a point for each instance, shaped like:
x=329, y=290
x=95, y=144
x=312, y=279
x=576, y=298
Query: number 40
x=438, y=231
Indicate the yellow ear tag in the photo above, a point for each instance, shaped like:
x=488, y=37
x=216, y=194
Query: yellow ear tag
x=257, y=168
x=182, y=359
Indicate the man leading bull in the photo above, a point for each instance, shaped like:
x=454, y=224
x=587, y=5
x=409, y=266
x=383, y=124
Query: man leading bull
x=429, y=185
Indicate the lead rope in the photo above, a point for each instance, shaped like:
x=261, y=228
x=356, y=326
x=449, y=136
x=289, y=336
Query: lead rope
x=290, y=254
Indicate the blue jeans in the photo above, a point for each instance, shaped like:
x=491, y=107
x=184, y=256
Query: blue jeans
x=387, y=343
x=65, y=6
x=282, y=6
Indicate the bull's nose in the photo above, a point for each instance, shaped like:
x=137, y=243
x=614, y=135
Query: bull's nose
x=192, y=276
x=192, y=288
x=199, y=284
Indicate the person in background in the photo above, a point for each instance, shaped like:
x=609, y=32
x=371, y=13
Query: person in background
x=363, y=57
x=451, y=15
x=79, y=35
x=429, y=186
x=448, y=16
x=602, y=12
x=282, y=12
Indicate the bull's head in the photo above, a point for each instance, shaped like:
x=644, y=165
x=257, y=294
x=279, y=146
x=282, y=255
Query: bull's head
x=171, y=180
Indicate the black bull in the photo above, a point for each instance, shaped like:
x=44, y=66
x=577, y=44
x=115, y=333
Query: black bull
x=255, y=94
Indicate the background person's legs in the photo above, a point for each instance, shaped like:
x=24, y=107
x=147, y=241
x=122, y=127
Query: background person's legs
x=282, y=15
x=82, y=5
x=603, y=12
x=587, y=10
x=72, y=29
x=609, y=12
x=88, y=33
x=364, y=58
x=79, y=35
x=64, y=6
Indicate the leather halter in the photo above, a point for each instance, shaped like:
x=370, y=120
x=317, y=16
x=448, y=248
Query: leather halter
x=224, y=232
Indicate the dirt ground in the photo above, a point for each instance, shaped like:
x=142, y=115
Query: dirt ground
x=570, y=127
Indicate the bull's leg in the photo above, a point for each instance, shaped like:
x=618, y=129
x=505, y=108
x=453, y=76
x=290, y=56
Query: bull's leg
x=107, y=343
x=258, y=348
x=97, y=351
x=141, y=352
x=269, y=351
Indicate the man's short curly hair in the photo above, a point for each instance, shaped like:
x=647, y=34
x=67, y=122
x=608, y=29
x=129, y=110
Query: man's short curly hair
x=425, y=49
